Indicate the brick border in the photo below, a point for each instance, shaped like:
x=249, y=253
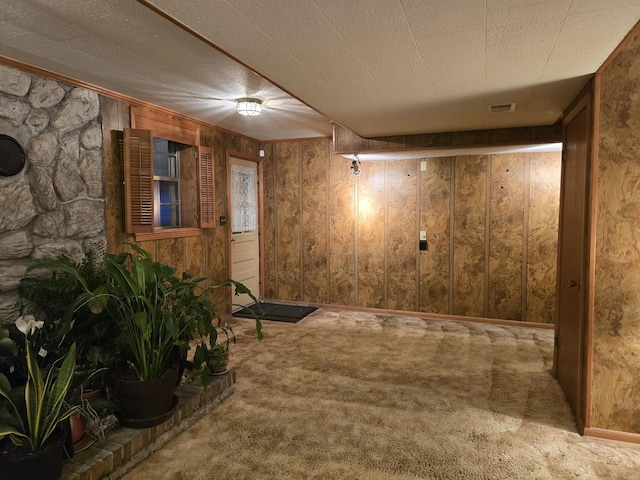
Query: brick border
x=123, y=448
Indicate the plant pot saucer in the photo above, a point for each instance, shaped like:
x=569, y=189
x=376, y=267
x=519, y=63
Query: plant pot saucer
x=150, y=421
x=84, y=443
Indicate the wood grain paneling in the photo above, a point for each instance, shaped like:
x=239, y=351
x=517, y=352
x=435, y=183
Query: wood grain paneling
x=542, y=242
x=395, y=200
x=506, y=229
x=194, y=261
x=171, y=251
x=315, y=248
x=341, y=232
x=401, y=228
x=616, y=323
x=370, y=222
x=269, y=231
x=288, y=192
x=469, y=235
x=435, y=214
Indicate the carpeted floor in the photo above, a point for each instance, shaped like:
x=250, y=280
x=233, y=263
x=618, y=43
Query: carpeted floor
x=344, y=395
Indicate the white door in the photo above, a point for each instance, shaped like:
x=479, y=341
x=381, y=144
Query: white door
x=245, y=249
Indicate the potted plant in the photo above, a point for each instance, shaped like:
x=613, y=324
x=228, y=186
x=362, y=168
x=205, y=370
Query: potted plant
x=157, y=315
x=51, y=301
x=217, y=362
x=32, y=417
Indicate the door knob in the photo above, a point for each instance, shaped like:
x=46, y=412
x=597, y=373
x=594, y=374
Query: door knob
x=573, y=283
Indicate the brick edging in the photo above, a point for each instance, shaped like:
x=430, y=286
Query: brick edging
x=123, y=448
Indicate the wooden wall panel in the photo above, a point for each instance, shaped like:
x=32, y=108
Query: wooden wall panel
x=542, y=242
x=270, y=221
x=341, y=232
x=616, y=324
x=506, y=230
x=315, y=248
x=114, y=119
x=171, y=251
x=402, y=234
x=370, y=223
x=194, y=258
x=469, y=235
x=396, y=200
x=435, y=213
x=288, y=201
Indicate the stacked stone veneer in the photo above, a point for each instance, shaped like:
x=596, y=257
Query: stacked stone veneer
x=56, y=204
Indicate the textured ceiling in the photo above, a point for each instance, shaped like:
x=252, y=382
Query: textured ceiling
x=378, y=67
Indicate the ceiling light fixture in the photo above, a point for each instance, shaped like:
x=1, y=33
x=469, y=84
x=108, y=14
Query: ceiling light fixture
x=355, y=166
x=249, y=107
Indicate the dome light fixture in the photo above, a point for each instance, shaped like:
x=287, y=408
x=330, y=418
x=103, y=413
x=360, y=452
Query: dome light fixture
x=249, y=107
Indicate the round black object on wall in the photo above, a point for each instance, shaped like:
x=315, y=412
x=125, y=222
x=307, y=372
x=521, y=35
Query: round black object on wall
x=11, y=156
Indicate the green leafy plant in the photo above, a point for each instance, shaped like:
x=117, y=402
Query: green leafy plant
x=49, y=302
x=31, y=423
x=156, y=313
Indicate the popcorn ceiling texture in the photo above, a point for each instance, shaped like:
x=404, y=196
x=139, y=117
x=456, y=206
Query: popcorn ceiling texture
x=350, y=395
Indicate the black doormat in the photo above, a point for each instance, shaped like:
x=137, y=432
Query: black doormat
x=276, y=311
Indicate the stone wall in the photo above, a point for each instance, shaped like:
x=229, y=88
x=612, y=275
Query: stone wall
x=56, y=204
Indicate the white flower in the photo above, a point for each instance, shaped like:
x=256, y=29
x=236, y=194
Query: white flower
x=28, y=323
x=42, y=352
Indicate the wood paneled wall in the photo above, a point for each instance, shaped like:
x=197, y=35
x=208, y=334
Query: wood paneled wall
x=615, y=390
x=491, y=225
x=200, y=256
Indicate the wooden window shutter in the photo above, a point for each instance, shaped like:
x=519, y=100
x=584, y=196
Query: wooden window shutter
x=138, y=181
x=207, y=192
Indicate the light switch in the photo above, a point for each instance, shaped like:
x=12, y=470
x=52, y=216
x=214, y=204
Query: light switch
x=423, y=166
x=423, y=240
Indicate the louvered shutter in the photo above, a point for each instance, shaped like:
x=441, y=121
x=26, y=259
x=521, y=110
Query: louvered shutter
x=206, y=178
x=138, y=181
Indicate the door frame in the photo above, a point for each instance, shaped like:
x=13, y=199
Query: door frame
x=585, y=100
x=258, y=161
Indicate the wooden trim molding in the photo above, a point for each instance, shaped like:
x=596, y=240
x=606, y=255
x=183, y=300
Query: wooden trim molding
x=170, y=128
x=168, y=233
x=427, y=316
x=613, y=435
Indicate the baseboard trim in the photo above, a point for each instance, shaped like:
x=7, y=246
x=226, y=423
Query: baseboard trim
x=437, y=316
x=613, y=435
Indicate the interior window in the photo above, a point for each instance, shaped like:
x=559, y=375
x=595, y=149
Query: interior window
x=169, y=186
x=166, y=177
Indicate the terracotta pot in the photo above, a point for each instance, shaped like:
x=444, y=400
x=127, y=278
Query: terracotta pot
x=77, y=421
x=43, y=465
x=146, y=403
x=78, y=427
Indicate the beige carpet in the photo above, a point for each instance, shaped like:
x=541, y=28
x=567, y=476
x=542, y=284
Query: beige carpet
x=343, y=395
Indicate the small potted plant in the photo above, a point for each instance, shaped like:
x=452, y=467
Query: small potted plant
x=32, y=434
x=218, y=354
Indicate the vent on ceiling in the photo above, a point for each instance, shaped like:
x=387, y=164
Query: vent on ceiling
x=501, y=107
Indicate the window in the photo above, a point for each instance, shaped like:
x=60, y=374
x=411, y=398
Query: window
x=168, y=185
